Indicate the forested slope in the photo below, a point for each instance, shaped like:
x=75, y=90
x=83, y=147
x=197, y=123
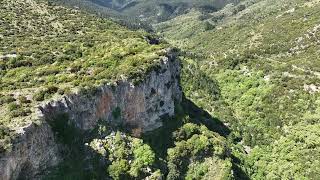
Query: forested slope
x=251, y=79
x=50, y=55
x=143, y=13
x=262, y=57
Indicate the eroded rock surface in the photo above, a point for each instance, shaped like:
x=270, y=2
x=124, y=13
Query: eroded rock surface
x=139, y=108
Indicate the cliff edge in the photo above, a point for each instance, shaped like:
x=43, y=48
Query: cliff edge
x=138, y=107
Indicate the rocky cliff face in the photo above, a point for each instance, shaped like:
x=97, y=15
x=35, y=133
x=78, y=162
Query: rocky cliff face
x=33, y=151
x=139, y=108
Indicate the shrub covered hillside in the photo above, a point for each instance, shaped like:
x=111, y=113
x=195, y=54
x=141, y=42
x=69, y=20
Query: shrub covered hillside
x=262, y=58
x=106, y=10
x=154, y=11
x=142, y=13
x=194, y=152
x=47, y=51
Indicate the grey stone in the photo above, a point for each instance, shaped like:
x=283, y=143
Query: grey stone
x=134, y=106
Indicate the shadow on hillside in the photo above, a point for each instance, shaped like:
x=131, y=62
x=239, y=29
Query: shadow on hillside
x=161, y=139
x=80, y=162
x=200, y=116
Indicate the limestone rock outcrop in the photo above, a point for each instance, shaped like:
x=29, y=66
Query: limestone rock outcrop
x=138, y=107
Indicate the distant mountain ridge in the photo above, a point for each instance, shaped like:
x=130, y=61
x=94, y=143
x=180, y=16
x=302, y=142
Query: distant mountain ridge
x=144, y=13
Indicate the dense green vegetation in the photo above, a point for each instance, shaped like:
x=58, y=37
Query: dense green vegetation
x=128, y=157
x=47, y=51
x=198, y=154
x=252, y=65
x=261, y=57
x=185, y=147
x=294, y=155
x=105, y=9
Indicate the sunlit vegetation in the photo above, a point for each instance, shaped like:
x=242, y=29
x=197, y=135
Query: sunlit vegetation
x=262, y=58
x=128, y=157
x=253, y=65
x=198, y=154
x=299, y=144
x=184, y=148
x=143, y=13
x=47, y=51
